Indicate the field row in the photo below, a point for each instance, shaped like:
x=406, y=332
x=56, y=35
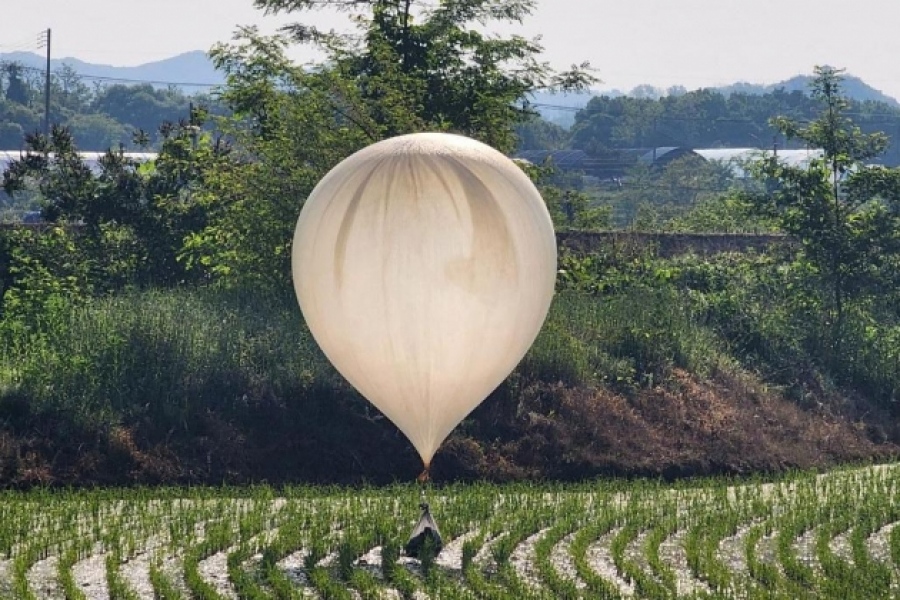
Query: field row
x=806, y=536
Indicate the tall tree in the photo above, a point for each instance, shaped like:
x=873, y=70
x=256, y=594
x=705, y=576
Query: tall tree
x=132, y=217
x=539, y=134
x=410, y=67
x=420, y=66
x=17, y=89
x=844, y=212
x=70, y=91
x=141, y=106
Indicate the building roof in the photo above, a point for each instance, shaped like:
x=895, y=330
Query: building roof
x=92, y=159
x=612, y=164
x=564, y=159
x=738, y=158
x=663, y=153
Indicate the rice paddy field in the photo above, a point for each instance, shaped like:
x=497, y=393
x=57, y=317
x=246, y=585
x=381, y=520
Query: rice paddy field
x=805, y=535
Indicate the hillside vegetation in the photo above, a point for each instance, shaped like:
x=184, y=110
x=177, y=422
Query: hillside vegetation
x=672, y=367
x=150, y=335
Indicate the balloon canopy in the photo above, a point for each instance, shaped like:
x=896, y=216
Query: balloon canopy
x=424, y=266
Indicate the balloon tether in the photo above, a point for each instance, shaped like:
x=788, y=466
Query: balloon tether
x=425, y=476
x=425, y=537
x=423, y=479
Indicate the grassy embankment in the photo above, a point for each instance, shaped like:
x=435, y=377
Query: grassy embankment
x=645, y=366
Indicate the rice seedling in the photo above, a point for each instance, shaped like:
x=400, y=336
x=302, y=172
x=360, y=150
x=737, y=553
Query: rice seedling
x=802, y=536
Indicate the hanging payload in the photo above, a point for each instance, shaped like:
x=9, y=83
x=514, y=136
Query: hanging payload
x=424, y=266
x=425, y=536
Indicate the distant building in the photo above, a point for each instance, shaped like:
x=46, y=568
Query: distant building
x=32, y=217
x=615, y=164
x=91, y=158
x=612, y=164
x=739, y=158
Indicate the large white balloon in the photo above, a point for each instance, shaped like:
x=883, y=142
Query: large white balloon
x=424, y=266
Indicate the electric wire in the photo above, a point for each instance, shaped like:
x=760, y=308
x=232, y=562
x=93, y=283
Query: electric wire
x=193, y=84
x=23, y=44
x=717, y=119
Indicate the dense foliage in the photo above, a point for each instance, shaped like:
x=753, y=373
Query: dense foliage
x=844, y=212
x=711, y=119
x=215, y=385
x=149, y=323
x=100, y=117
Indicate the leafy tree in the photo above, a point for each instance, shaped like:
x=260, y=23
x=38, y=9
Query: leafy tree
x=407, y=70
x=442, y=73
x=44, y=270
x=646, y=91
x=131, y=218
x=619, y=122
x=569, y=208
x=635, y=195
x=98, y=117
x=17, y=89
x=69, y=90
x=289, y=126
x=844, y=213
x=141, y=106
x=690, y=179
x=539, y=134
x=97, y=131
x=722, y=213
x=659, y=195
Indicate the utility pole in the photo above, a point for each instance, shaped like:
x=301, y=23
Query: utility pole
x=47, y=90
x=46, y=43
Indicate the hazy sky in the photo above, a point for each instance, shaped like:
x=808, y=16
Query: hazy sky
x=661, y=42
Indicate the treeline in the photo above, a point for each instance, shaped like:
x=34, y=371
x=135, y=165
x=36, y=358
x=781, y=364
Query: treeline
x=103, y=116
x=99, y=116
x=701, y=119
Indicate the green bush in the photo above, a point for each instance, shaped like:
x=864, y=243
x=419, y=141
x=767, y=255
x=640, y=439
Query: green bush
x=165, y=360
x=164, y=356
x=633, y=336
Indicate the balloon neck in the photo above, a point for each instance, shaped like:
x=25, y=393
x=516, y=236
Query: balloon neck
x=425, y=476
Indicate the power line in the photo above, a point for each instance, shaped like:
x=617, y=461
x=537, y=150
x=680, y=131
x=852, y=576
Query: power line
x=129, y=80
x=28, y=47
x=678, y=187
x=716, y=119
x=207, y=85
x=26, y=43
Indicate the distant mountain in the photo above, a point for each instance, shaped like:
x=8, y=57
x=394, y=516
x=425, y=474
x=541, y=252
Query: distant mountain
x=854, y=87
x=195, y=67
x=188, y=68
